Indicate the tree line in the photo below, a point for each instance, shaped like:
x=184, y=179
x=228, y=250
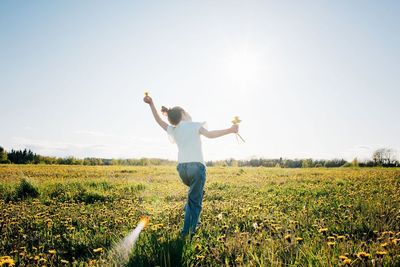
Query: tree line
x=383, y=157
x=28, y=157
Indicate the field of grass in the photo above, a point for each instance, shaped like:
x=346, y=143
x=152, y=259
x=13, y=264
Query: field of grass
x=73, y=215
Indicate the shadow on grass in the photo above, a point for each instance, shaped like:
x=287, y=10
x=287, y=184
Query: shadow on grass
x=156, y=251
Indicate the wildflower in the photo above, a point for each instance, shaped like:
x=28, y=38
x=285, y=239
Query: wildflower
x=341, y=237
x=287, y=238
x=331, y=238
x=343, y=257
x=384, y=245
x=331, y=244
x=199, y=257
x=98, y=250
x=323, y=230
x=347, y=262
x=52, y=251
x=221, y=238
x=363, y=255
x=92, y=262
x=299, y=239
x=64, y=262
x=239, y=259
x=7, y=261
x=380, y=254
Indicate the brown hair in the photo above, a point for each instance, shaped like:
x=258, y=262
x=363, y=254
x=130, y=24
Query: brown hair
x=174, y=114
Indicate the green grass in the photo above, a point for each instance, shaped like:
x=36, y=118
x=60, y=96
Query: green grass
x=251, y=216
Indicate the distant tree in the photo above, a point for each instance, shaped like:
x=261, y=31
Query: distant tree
x=335, y=163
x=3, y=156
x=306, y=163
x=354, y=163
x=22, y=156
x=384, y=157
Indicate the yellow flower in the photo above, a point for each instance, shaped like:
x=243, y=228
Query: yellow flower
x=341, y=237
x=347, y=262
x=342, y=257
x=98, y=250
x=323, y=230
x=287, y=237
x=7, y=261
x=363, y=255
x=64, y=262
x=299, y=239
x=380, y=254
x=331, y=244
x=52, y=251
x=384, y=245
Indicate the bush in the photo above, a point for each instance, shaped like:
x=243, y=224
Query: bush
x=25, y=190
x=90, y=197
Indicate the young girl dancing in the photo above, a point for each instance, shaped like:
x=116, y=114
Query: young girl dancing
x=191, y=166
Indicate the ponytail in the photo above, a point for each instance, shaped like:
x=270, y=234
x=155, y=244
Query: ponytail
x=164, y=111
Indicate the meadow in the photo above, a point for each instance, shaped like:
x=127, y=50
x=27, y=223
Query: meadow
x=53, y=215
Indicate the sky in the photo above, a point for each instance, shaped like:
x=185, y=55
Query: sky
x=309, y=79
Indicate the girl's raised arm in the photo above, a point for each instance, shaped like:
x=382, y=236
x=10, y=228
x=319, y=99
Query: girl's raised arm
x=218, y=133
x=149, y=100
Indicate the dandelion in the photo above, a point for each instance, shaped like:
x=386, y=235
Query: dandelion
x=396, y=241
x=287, y=238
x=347, y=262
x=363, y=255
x=98, y=250
x=7, y=261
x=380, y=254
x=239, y=259
x=92, y=262
x=331, y=244
x=221, y=238
x=343, y=257
x=323, y=230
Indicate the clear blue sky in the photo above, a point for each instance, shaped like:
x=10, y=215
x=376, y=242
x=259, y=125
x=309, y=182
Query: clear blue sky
x=313, y=79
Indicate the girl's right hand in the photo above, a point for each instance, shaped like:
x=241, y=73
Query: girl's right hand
x=148, y=100
x=235, y=128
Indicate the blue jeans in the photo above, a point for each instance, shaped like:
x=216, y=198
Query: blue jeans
x=193, y=174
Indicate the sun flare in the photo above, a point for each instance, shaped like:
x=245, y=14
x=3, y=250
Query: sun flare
x=243, y=66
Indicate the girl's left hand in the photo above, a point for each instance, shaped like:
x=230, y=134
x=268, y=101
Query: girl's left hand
x=148, y=100
x=235, y=128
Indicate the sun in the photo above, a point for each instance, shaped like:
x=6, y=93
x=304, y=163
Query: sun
x=243, y=66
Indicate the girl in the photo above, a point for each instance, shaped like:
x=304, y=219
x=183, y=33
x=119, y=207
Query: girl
x=191, y=166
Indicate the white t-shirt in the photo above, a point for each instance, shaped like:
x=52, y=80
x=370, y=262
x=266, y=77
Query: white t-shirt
x=187, y=136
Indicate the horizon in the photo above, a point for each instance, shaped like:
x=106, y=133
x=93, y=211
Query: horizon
x=394, y=157
x=309, y=80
